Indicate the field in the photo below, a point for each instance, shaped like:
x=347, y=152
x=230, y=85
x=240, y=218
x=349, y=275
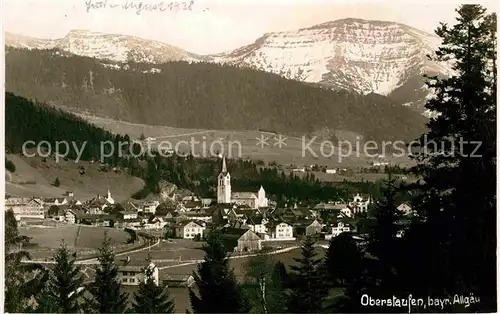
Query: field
x=85, y=240
x=293, y=151
x=181, y=295
x=33, y=177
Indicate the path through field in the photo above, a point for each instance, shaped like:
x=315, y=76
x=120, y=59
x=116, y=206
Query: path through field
x=288, y=249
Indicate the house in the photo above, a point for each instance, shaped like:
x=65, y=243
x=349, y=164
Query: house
x=55, y=201
x=360, y=204
x=26, y=207
x=336, y=230
x=257, y=224
x=132, y=275
x=74, y=216
x=345, y=212
x=127, y=215
x=149, y=207
x=241, y=240
x=281, y=231
x=314, y=227
x=188, y=230
x=331, y=171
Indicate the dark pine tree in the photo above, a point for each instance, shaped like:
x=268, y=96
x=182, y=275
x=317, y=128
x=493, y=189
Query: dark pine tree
x=308, y=285
x=382, y=242
x=218, y=291
x=152, y=297
x=106, y=296
x=21, y=280
x=343, y=262
x=453, y=250
x=65, y=284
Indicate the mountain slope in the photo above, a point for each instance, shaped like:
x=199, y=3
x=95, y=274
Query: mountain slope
x=121, y=48
x=365, y=56
x=203, y=95
x=354, y=54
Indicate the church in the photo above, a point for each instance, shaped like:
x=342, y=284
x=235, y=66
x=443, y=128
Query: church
x=225, y=196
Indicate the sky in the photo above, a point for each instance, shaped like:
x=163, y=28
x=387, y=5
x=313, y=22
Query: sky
x=213, y=26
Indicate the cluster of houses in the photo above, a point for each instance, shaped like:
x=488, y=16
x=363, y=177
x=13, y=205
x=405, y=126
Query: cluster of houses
x=245, y=219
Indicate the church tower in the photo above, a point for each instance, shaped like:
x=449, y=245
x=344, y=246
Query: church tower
x=224, y=185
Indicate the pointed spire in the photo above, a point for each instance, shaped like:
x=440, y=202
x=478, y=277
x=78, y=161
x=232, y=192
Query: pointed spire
x=224, y=168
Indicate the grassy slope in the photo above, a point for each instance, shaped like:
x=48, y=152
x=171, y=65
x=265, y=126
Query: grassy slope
x=42, y=174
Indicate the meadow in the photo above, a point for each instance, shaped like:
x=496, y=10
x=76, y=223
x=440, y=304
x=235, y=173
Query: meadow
x=85, y=240
x=293, y=151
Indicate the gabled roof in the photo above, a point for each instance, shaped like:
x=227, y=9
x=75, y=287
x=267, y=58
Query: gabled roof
x=184, y=223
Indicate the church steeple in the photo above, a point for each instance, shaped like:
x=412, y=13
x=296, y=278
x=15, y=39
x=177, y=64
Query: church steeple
x=224, y=168
x=224, y=184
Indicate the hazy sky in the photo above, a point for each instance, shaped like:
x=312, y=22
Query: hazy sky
x=213, y=25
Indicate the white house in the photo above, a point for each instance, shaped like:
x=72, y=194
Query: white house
x=127, y=215
x=188, y=230
x=341, y=227
x=257, y=224
x=360, y=204
x=132, y=275
x=25, y=207
x=282, y=231
x=347, y=212
x=150, y=207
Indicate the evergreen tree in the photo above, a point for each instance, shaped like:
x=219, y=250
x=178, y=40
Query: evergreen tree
x=456, y=241
x=152, y=297
x=218, y=291
x=65, y=283
x=308, y=287
x=343, y=262
x=382, y=243
x=57, y=183
x=266, y=289
x=106, y=296
x=22, y=281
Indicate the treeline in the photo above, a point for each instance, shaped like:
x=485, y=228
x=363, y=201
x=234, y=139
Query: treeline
x=203, y=95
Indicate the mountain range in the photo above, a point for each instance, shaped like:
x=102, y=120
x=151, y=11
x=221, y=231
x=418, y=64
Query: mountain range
x=381, y=57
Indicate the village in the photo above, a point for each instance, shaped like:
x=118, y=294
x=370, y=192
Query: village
x=246, y=219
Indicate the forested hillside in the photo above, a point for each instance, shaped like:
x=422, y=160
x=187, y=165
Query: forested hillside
x=202, y=95
x=29, y=121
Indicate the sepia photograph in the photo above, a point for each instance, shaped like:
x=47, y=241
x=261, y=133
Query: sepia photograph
x=249, y=156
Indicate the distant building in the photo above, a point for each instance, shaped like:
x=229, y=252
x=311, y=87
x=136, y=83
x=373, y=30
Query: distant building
x=360, y=204
x=132, y=275
x=314, y=228
x=282, y=231
x=26, y=207
x=241, y=240
x=189, y=230
x=336, y=230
